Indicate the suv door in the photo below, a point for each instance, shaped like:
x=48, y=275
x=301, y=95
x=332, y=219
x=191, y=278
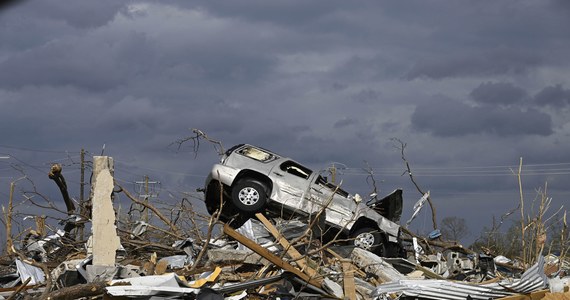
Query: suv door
x=340, y=209
x=293, y=181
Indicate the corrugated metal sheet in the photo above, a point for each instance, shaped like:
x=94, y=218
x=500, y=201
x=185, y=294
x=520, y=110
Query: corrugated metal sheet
x=531, y=280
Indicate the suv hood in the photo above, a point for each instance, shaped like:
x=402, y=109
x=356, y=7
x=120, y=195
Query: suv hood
x=390, y=207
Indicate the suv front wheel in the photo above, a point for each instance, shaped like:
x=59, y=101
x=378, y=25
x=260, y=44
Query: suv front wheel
x=249, y=196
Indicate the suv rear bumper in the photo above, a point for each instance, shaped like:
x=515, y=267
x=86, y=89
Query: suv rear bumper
x=223, y=174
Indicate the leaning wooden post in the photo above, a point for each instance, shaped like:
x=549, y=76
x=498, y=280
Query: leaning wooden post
x=276, y=260
x=348, y=280
x=523, y=245
x=9, y=242
x=301, y=262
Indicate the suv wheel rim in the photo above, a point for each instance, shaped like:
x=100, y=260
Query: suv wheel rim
x=248, y=196
x=364, y=240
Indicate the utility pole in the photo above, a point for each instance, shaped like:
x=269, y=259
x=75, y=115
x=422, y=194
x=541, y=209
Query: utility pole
x=147, y=189
x=9, y=242
x=82, y=186
x=334, y=170
x=82, y=210
x=146, y=198
x=8, y=215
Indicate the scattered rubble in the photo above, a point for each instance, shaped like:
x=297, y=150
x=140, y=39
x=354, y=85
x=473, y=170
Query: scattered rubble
x=268, y=257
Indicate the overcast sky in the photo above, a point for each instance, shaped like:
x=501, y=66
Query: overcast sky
x=470, y=86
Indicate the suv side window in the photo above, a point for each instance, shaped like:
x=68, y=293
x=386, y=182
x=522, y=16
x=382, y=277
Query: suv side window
x=333, y=188
x=296, y=169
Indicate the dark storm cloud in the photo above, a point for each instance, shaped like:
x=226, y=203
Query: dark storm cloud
x=563, y=4
x=358, y=68
x=447, y=118
x=318, y=81
x=498, y=93
x=367, y=96
x=109, y=57
x=344, y=122
x=84, y=63
x=140, y=116
x=488, y=63
x=82, y=14
x=337, y=86
x=6, y=4
x=294, y=14
x=555, y=96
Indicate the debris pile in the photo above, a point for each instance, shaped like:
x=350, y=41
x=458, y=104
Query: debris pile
x=266, y=257
x=259, y=262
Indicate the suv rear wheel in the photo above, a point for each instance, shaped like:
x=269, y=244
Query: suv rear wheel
x=249, y=196
x=369, y=238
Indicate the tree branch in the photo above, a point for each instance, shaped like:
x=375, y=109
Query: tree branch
x=409, y=171
x=152, y=208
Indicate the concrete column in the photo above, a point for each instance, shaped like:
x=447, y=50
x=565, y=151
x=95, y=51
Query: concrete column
x=105, y=239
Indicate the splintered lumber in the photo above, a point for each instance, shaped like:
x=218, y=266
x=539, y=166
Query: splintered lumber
x=20, y=288
x=78, y=291
x=291, y=251
x=532, y=296
x=541, y=294
x=348, y=281
x=274, y=259
x=354, y=268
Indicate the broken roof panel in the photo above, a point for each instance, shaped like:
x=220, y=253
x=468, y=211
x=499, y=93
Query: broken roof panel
x=531, y=280
x=168, y=284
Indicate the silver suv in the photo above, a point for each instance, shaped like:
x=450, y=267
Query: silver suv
x=251, y=179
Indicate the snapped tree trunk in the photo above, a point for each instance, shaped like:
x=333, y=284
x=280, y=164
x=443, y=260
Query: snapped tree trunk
x=57, y=177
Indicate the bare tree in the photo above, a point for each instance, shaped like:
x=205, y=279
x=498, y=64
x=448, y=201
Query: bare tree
x=371, y=181
x=401, y=146
x=199, y=135
x=454, y=228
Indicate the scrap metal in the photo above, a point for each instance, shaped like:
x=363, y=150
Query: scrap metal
x=532, y=279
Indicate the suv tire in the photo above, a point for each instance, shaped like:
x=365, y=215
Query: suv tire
x=249, y=196
x=369, y=238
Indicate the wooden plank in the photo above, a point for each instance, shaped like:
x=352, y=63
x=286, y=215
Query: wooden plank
x=291, y=251
x=340, y=258
x=270, y=256
x=532, y=296
x=348, y=281
x=429, y=273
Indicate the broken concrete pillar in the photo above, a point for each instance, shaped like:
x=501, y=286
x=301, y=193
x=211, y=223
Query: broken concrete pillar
x=372, y=263
x=105, y=239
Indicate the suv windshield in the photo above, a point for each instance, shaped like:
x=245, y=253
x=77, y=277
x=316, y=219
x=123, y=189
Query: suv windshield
x=257, y=154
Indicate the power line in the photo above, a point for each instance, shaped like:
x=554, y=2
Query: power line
x=463, y=171
x=550, y=169
x=160, y=170
x=465, y=167
x=459, y=174
x=37, y=150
